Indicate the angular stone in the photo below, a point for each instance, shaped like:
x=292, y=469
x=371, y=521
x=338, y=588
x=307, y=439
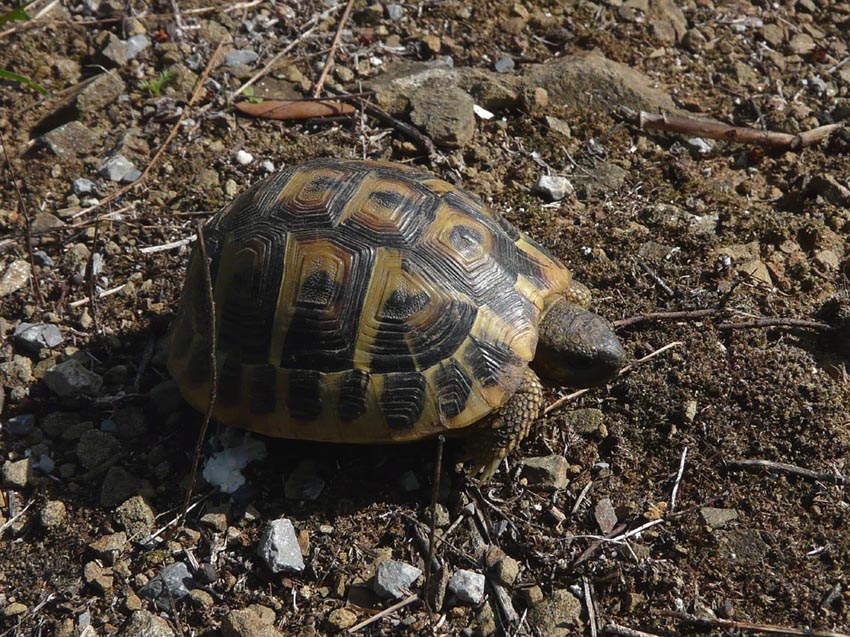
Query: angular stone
x=136, y=516
x=393, y=579
x=445, y=114
x=246, y=623
x=109, y=547
x=171, y=584
x=546, y=472
x=467, y=586
x=112, y=50
x=279, y=547
x=16, y=276
x=718, y=518
x=33, y=337
x=145, y=624
x=605, y=515
x=119, y=169
x=552, y=187
x=71, y=378
x=70, y=140
x=96, y=447
x=559, y=615
x=303, y=483
x=52, y=514
x=118, y=485
x=17, y=473
x=100, y=578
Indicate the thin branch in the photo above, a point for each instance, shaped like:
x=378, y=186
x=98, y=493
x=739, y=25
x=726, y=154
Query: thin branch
x=775, y=322
x=27, y=224
x=334, y=45
x=678, y=480
x=716, y=130
x=623, y=631
x=90, y=278
x=211, y=342
x=666, y=316
x=783, y=467
x=438, y=468
x=591, y=609
x=387, y=611
x=771, y=629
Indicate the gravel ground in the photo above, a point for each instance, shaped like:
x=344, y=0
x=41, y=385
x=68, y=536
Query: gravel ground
x=707, y=484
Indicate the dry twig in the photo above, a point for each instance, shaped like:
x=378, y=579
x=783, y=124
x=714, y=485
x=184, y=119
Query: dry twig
x=678, y=480
x=775, y=322
x=716, y=130
x=211, y=341
x=771, y=629
x=27, y=224
x=783, y=467
x=666, y=316
x=438, y=468
x=387, y=611
x=623, y=631
x=334, y=45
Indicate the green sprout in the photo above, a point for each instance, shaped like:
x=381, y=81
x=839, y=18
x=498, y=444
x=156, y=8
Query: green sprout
x=155, y=85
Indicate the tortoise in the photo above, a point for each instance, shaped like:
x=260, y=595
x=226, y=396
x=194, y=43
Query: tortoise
x=371, y=302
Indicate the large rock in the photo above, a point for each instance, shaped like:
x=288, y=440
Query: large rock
x=91, y=98
x=558, y=615
x=71, y=378
x=14, y=277
x=445, y=114
x=69, y=140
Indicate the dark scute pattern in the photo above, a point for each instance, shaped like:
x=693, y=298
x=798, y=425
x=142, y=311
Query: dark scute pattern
x=353, y=388
x=403, y=399
x=452, y=389
x=229, y=382
x=309, y=210
x=262, y=390
x=323, y=336
x=488, y=361
x=401, y=305
x=399, y=348
x=318, y=289
x=305, y=394
x=413, y=218
x=247, y=313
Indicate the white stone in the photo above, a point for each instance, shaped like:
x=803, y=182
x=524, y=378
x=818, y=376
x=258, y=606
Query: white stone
x=279, y=547
x=467, y=586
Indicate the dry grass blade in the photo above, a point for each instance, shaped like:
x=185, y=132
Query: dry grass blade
x=294, y=109
x=384, y=613
x=211, y=341
x=769, y=629
x=334, y=45
x=783, y=467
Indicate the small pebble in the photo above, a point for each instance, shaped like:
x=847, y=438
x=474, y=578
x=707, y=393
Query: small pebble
x=119, y=169
x=83, y=186
x=244, y=158
x=240, y=56
x=395, y=12
x=279, y=547
x=393, y=579
x=21, y=425
x=467, y=586
x=52, y=514
x=408, y=482
x=172, y=583
x=504, y=65
x=552, y=187
x=267, y=165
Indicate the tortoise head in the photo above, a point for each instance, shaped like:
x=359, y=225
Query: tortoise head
x=576, y=347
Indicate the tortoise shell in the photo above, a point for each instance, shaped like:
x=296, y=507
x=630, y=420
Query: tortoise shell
x=360, y=301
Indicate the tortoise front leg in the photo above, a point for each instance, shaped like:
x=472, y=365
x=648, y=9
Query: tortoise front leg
x=507, y=427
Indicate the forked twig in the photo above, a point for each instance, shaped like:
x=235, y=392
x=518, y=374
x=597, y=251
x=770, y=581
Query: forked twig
x=334, y=45
x=725, y=132
x=211, y=340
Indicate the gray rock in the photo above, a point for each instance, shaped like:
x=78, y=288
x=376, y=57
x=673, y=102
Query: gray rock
x=21, y=425
x=393, y=579
x=33, y=337
x=504, y=65
x=43, y=259
x=605, y=515
x=136, y=516
x=395, y=12
x=279, y=547
x=587, y=421
x=17, y=474
x=52, y=514
x=109, y=547
x=136, y=45
x=113, y=50
x=558, y=615
x=120, y=169
x=172, y=583
x=118, y=485
x=246, y=623
x=467, y=586
x=240, y=56
x=104, y=90
x=546, y=472
x=831, y=189
x=303, y=483
x=83, y=186
x=16, y=276
x=69, y=140
x=601, y=178
x=71, y=378
x=718, y=518
x=445, y=114
x=559, y=126
x=552, y=187
x=145, y=624
x=700, y=147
